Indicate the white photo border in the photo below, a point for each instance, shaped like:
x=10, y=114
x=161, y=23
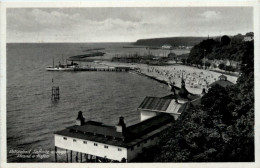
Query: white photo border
x=119, y=3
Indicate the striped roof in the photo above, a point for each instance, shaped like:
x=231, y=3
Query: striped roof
x=160, y=104
x=155, y=103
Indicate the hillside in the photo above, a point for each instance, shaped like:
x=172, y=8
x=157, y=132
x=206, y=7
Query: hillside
x=173, y=41
x=229, y=48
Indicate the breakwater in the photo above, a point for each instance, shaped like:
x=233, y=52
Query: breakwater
x=151, y=77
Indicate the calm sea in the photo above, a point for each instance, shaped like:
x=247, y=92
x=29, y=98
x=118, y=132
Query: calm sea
x=32, y=117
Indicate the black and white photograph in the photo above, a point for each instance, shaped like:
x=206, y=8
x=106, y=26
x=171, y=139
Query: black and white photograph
x=129, y=84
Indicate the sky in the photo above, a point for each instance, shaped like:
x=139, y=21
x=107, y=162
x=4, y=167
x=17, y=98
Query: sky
x=126, y=24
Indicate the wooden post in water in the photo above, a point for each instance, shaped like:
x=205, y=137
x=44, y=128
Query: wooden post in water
x=71, y=156
x=76, y=157
x=80, y=157
x=90, y=158
x=55, y=93
x=55, y=150
x=86, y=157
x=67, y=155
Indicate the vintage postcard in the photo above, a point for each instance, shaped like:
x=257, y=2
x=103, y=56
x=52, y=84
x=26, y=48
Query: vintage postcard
x=101, y=84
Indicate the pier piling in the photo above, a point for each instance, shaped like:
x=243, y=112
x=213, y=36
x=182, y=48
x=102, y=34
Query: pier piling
x=55, y=149
x=71, y=156
x=80, y=157
x=55, y=93
x=76, y=157
x=67, y=156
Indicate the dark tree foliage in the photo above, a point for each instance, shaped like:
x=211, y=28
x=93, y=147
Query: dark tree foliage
x=229, y=68
x=215, y=103
x=242, y=129
x=221, y=66
x=198, y=51
x=225, y=40
x=250, y=34
x=228, y=48
x=183, y=60
x=237, y=38
x=221, y=129
x=172, y=55
x=207, y=64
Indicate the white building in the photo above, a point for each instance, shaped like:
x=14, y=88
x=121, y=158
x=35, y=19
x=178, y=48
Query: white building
x=173, y=104
x=110, y=143
x=248, y=38
x=166, y=46
x=120, y=143
x=153, y=106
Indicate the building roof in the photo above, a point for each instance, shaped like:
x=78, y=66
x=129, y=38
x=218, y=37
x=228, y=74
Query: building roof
x=169, y=103
x=149, y=125
x=181, y=93
x=178, y=95
x=98, y=132
x=97, y=128
x=164, y=104
x=223, y=83
x=222, y=77
x=183, y=107
x=155, y=103
x=196, y=101
x=167, y=45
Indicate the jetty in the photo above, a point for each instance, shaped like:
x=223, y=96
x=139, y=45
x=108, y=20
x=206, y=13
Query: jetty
x=107, y=69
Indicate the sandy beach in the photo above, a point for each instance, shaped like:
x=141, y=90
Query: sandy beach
x=195, y=79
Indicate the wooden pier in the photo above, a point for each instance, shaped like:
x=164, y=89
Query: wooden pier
x=107, y=69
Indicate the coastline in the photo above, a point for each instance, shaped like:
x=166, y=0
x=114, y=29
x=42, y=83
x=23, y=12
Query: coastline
x=150, y=77
x=196, y=79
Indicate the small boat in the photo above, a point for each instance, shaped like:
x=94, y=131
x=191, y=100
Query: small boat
x=62, y=67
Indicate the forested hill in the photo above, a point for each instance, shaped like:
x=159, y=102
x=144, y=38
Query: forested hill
x=228, y=48
x=173, y=41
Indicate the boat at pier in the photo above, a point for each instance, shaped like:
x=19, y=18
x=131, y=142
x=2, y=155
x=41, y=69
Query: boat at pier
x=63, y=67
